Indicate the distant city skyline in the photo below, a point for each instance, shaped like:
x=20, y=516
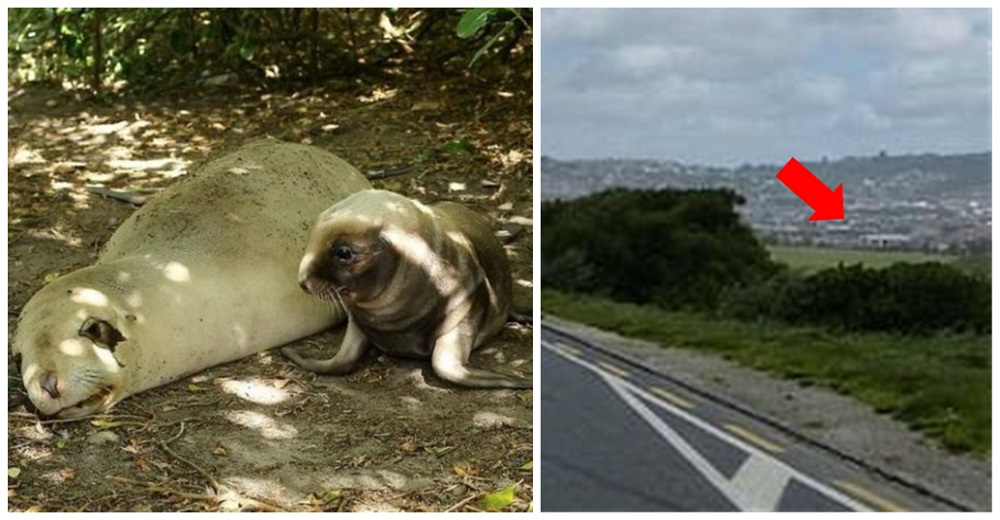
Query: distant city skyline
x=722, y=87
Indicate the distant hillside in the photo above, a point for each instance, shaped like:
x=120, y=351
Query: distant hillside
x=932, y=174
x=929, y=202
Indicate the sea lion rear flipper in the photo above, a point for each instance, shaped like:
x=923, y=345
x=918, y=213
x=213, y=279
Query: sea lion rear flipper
x=451, y=363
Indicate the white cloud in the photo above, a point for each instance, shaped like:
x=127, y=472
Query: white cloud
x=751, y=83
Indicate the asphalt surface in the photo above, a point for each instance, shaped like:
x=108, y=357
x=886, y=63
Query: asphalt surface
x=615, y=438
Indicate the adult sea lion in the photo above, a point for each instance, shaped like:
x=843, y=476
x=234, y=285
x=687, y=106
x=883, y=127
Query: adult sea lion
x=203, y=274
x=417, y=281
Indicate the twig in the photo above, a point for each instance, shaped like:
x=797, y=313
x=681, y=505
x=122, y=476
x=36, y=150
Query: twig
x=164, y=489
x=518, y=16
x=105, y=498
x=124, y=196
x=464, y=501
x=160, y=488
x=28, y=415
x=211, y=480
x=163, y=444
x=178, y=436
x=375, y=175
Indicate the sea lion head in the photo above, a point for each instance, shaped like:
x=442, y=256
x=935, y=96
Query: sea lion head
x=73, y=340
x=348, y=255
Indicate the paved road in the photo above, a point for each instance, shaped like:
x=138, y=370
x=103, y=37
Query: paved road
x=615, y=438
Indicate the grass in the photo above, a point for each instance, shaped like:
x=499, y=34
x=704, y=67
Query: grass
x=939, y=385
x=815, y=258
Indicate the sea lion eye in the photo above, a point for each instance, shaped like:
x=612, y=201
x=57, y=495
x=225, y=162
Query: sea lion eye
x=343, y=253
x=101, y=333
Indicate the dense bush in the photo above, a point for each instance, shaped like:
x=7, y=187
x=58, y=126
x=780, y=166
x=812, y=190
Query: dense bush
x=675, y=249
x=908, y=298
x=159, y=48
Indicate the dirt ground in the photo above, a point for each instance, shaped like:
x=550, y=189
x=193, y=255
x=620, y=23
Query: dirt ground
x=259, y=433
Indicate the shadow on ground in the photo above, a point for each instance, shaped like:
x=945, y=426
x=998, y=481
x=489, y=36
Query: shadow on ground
x=260, y=434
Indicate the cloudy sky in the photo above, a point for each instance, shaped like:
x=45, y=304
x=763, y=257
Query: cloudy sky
x=727, y=86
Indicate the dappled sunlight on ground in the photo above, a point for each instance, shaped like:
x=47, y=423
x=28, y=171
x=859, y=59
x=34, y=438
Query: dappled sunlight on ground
x=267, y=427
x=257, y=391
x=385, y=438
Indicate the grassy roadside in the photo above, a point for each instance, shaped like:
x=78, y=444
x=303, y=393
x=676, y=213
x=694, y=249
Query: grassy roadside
x=939, y=385
x=811, y=259
x=808, y=259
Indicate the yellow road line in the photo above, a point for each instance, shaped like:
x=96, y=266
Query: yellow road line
x=618, y=371
x=568, y=349
x=754, y=439
x=869, y=497
x=672, y=397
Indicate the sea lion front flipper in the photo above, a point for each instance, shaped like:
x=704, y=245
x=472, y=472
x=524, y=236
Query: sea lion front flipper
x=451, y=363
x=352, y=349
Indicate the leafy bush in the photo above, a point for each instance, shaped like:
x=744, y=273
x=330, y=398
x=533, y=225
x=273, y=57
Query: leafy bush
x=675, y=249
x=507, y=24
x=110, y=49
x=907, y=298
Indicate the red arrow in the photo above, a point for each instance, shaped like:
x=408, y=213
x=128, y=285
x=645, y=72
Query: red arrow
x=828, y=205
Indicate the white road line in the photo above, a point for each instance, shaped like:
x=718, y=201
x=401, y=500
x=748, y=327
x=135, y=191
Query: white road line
x=718, y=480
x=623, y=387
x=762, y=481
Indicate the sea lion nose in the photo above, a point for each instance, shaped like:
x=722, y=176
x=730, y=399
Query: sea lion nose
x=50, y=383
x=302, y=284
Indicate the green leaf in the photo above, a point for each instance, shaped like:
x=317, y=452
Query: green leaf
x=462, y=146
x=486, y=46
x=528, y=466
x=13, y=472
x=247, y=51
x=473, y=20
x=330, y=496
x=499, y=499
x=427, y=155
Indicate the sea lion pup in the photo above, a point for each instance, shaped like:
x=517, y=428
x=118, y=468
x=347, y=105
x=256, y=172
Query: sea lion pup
x=204, y=273
x=416, y=281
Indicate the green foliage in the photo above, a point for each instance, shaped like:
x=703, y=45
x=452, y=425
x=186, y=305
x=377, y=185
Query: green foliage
x=111, y=49
x=499, y=499
x=907, y=298
x=939, y=384
x=474, y=20
x=810, y=259
x=507, y=24
x=675, y=249
x=978, y=264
